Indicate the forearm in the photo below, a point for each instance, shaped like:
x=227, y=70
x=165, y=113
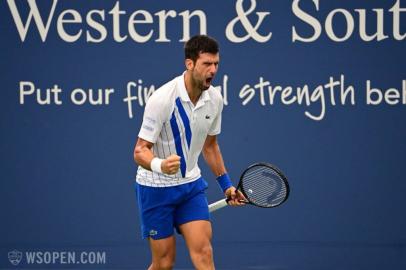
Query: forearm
x=214, y=159
x=143, y=156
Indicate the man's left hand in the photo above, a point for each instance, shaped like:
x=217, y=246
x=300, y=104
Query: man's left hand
x=236, y=198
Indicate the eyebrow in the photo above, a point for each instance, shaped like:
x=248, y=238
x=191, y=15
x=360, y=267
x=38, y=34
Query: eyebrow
x=210, y=62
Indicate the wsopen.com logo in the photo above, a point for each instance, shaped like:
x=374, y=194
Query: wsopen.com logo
x=15, y=257
x=57, y=257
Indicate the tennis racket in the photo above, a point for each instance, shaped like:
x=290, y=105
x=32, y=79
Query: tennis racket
x=262, y=184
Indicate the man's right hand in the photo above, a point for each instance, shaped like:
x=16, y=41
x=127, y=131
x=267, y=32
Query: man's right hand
x=171, y=164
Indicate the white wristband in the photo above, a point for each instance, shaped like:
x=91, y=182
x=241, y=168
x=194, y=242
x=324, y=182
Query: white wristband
x=156, y=165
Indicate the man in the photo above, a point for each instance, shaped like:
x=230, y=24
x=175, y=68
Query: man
x=181, y=119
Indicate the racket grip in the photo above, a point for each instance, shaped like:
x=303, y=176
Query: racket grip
x=218, y=205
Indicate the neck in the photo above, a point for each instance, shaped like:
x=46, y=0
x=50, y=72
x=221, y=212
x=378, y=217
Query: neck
x=192, y=88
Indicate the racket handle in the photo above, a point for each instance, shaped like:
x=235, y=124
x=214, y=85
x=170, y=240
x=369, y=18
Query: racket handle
x=218, y=205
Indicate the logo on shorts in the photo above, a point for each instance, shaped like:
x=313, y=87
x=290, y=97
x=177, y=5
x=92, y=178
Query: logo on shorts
x=152, y=232
x=15, y=257
x=207, y=116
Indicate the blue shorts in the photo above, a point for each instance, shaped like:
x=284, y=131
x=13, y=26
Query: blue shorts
x=164, y=208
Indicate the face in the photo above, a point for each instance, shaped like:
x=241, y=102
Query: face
x=204, y=69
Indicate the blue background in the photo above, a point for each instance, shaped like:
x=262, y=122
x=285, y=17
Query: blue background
x=67, y=171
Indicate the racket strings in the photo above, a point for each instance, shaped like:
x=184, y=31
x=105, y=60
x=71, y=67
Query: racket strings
x=264, y=186
x=267, y=188
x=264, y=190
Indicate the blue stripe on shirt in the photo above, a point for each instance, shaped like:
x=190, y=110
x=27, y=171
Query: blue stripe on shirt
x=185, y=121
x=178, y=144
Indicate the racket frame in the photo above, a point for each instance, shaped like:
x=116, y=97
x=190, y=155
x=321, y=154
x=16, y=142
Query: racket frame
x=240, y=185
x=224, y=202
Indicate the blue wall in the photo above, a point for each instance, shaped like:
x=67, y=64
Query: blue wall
x=67, y=170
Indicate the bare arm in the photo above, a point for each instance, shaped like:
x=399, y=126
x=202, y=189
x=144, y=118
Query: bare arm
x=214, y=158
x=143, y=156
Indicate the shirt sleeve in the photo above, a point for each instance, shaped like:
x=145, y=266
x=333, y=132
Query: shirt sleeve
x=215, y=127
x=153, y=120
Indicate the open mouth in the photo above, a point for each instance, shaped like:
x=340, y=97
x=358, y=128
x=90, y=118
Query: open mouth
x=208, y=80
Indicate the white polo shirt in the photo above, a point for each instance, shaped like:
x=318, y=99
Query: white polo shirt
x=176, y=126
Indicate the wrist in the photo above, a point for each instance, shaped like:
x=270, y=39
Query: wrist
x=156, y=165
x=224, y=182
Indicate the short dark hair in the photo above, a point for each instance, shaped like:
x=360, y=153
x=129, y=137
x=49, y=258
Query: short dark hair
x=200, y=44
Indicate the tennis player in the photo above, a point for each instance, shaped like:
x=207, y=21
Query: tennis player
x=182, y=118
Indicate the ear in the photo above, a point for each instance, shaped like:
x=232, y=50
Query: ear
x=189, y=64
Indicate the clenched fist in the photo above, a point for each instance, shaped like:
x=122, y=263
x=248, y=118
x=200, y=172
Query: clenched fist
x=171, y=164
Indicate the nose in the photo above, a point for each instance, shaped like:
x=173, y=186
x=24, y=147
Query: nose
x=213, y=69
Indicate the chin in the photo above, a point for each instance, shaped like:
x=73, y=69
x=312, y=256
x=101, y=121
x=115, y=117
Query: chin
x=206, y=86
